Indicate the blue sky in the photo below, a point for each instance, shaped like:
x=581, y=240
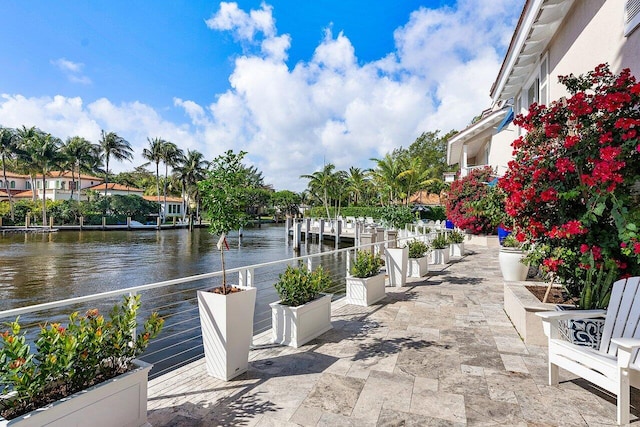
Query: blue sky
x=294, y=83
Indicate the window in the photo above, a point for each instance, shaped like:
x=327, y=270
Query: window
x=28, y=185
x=631, y=16
x=1, y=184
x=62, y=185
x=13, y=184
x=39, y=184
x=544, y=81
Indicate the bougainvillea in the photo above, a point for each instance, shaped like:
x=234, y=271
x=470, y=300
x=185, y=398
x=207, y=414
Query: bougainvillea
x=572, y=188
x=464, y=193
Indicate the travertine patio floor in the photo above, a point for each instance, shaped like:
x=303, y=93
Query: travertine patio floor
x=437, y=352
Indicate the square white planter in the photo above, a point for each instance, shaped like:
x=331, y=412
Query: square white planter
x=120, y=401
x=457, y=249
x=396, y=261
x=295, y=326
x=418, y=267
x=227, y=331
x=365, y=291
x=440, y=256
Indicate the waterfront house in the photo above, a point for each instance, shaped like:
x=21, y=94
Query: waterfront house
x=58, y=185
x=552, y=38
x=175, y=206
x=112, y=189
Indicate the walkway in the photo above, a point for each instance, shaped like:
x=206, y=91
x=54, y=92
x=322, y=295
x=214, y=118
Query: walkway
x=437, y=352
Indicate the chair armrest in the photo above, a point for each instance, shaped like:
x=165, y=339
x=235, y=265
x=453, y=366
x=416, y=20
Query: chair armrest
x=626, y=348
x=571, y=314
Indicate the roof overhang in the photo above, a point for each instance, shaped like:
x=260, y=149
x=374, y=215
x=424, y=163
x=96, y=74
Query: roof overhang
x=538, y=23
x=473, y=132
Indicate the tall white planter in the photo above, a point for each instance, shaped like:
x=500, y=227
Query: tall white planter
x=512, y=269
x=418, y=267
x=457, y=249
x=365, y=291
x=295, y=326
x=440, y=256
x=120, y=401
x=397, y=260
x=227, y=331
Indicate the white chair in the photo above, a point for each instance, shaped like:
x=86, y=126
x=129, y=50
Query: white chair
x=614, y=366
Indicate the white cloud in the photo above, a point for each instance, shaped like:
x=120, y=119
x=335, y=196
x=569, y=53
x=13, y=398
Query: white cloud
x=331, y=108
x=73, y=70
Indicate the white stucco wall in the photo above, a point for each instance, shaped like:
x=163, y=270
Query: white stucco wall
x=501, y=150
x=592, y=33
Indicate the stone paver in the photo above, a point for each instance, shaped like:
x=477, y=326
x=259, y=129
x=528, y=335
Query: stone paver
x=437, y=352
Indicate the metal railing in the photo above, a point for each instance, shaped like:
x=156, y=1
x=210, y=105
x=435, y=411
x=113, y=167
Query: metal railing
x=176, y=301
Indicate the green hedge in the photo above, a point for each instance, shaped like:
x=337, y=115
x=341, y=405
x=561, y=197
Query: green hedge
x=434, y=213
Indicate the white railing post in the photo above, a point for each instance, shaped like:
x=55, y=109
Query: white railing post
x=309, y=264
x=348, y=263
x=245, y=277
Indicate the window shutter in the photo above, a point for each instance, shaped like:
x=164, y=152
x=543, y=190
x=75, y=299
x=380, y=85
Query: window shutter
x=631, y=16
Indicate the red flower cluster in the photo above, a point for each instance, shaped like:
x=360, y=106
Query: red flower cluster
x=569, y=188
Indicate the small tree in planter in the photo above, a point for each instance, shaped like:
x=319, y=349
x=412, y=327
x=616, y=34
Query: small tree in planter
x=440, y=245
x=418, y=258
x=226, y=313
x=365, y=285
x=71, y=375
x=456, y=241
x=302, y=313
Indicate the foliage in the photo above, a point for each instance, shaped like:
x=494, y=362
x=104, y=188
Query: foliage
x=571, y=188
x=224, y=195
x=440, y=241
x=463, y=194
x=89, y=350
x=491, y=207
x=596, y=291
x=434, y=213
x=224, y=198
x=286, y=201
x=456, y=236
x=511, y=242
x=417, y=248
x=366, y=264
x=397, y=216
x=297, y=285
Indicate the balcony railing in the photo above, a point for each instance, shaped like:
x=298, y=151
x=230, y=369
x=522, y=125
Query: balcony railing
x=176, y=301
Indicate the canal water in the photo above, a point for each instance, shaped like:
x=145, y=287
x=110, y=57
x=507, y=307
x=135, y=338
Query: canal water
x=38, y=268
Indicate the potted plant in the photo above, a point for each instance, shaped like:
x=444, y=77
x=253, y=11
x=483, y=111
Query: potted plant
x=418, y=258
x=365, y=284
x=226, y=312
x=78, y=372
x=397, y=261
x=511, y=260
x=440, y=245
x=303, y=312
x=456, y=241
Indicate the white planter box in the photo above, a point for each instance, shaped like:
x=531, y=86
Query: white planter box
x=418, y=267
x=457, y=249
x=227, y=331
x=512, y=269
x=440, y=256
x=365, y=291
x=118, y=402
x=295, y=326
x=396, y=261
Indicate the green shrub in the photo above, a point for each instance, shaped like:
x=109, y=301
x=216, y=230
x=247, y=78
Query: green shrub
x=417, y=249
x=88, y=350
x=456, y=237
x=440, y=241
x=366, y=264
x=297, y=285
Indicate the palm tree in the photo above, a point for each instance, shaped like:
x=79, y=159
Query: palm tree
x=44, y=154
x=8, y=150
x=191, y=169
x=413, y=177
x=25, y=138
x=320, y=182
x=113, y=145
x=385, y=176
x=171, y=156
x=357, y=182
x=78, y=154
x=154, y=154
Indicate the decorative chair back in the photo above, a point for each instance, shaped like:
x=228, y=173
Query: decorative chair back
x=623, y=315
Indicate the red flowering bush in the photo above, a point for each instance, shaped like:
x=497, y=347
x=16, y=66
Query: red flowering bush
x=464, y=194
x=572, y=188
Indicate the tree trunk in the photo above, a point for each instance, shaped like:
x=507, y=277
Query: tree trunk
x=166, y=176
x=73, y=180
x=106, y=175
x=6, y=187
x=158, y=189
